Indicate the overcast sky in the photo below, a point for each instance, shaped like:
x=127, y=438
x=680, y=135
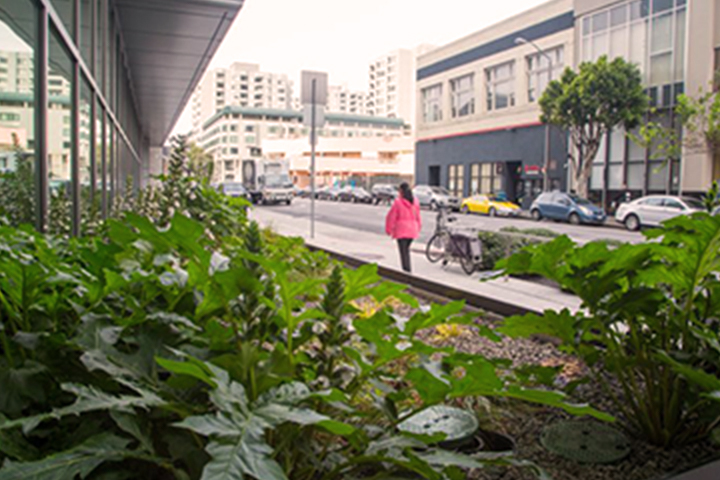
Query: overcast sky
x=341, y=37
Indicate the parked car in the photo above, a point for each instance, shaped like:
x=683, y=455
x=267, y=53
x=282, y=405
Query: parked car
x=235, y=189
x=355, y=195
x=567, y=208
x=489, y=205
x=328, y=193
x=384, y=193
x=436, y=197
x=652, y=210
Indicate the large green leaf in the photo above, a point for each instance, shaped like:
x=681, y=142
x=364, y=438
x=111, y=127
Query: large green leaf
x=89, y=399
x=79, y=461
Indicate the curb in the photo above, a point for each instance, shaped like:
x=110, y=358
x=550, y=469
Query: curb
x=473, y=299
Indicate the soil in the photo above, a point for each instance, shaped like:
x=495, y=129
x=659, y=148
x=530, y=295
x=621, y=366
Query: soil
x=524, y=422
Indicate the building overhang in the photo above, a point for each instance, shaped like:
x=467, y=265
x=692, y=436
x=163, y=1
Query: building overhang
x=169, y=45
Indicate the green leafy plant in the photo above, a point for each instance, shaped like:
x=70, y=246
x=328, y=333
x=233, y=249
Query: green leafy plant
x=17, y=189
x=648, y=318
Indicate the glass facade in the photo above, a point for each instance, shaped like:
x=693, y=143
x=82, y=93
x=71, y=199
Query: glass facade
x=69, y=114
x=500, y=84
x=651, y=34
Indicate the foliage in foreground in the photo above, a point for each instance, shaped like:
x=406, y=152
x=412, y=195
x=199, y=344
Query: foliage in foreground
x=649, y=323
x=160, y=353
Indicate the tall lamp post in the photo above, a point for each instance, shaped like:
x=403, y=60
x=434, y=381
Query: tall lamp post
x=546, y=159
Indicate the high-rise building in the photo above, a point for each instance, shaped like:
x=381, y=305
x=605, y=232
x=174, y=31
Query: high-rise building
x=240, y=85
x=343, y=100
x=392, y=84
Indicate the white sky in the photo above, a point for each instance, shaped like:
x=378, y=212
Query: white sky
x=342, y=37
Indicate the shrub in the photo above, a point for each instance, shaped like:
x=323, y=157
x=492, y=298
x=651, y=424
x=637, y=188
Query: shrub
x=536, y=232
x=497, y=246
x=648, y=323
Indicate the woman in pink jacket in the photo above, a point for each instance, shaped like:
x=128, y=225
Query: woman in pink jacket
x=403, y=223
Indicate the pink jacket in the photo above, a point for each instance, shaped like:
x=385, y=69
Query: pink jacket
x=403, y=220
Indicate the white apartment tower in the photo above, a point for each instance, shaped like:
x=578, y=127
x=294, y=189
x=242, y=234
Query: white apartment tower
x=242, y=85
x=342, y=100
x=392, y=84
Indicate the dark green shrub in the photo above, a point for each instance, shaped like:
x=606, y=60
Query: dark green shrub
x=497, y=246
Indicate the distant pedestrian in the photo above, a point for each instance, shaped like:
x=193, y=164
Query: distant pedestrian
x=403, y=223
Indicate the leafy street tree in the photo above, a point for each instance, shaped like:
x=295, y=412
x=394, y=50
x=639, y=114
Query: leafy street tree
x=591, y=102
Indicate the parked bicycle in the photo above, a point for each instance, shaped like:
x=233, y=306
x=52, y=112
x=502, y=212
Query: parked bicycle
x=448, y=244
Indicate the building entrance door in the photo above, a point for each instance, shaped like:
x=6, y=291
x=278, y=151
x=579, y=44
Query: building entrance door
x=513, y=184
x=434, y=176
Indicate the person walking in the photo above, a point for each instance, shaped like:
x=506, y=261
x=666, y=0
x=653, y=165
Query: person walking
x=403, y=223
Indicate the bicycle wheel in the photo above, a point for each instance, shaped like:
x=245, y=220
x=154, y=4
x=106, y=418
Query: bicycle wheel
x=467, y=264
x=437, y=246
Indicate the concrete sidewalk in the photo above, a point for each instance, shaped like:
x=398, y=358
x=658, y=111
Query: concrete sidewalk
x=370, y=247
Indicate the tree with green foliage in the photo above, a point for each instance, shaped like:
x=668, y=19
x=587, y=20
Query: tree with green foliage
x=589, y=104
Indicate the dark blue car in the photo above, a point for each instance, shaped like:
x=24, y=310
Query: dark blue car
x=567, y=208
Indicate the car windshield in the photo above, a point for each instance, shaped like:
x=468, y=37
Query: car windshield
x=278, y=181
x=361, y=191
x=579, y=200
x=693, y=203
x=440, y=190
x=233, y=187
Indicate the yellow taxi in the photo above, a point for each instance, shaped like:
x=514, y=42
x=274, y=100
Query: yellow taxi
x=489, y=205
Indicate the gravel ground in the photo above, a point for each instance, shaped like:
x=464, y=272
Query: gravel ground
x=524, y=422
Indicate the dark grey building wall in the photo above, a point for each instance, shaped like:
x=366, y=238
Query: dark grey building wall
x=522, y=145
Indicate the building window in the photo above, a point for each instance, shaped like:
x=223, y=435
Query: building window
x=486, y=178
x=542, y=69
x=456, y=179
x=500, y=86
x=649, y=33
x=432, y=103
x=463, y=95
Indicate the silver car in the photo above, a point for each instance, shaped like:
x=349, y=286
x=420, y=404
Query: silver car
x=652, y=210
x=436, y=197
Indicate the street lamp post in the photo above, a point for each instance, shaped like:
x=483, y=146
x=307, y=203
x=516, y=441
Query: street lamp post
x=546, y=159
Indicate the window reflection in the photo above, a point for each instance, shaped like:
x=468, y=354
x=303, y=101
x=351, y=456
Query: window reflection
x=17, y=112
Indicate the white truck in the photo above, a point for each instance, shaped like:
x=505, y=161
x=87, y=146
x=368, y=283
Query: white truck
x=267, y=180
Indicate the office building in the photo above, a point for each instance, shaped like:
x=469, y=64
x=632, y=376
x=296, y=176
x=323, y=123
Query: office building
x=343, y=100
x=88, y=88
x=478, y=126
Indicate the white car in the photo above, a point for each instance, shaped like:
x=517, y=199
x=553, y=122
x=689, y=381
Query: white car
x=652, y=210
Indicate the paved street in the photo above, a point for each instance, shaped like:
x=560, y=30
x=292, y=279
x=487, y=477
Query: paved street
x=371, y=219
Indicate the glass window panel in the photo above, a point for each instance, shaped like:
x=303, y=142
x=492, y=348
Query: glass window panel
x=586, y=25
x=639, y=9
x=658, y=176
x=596, y=179
x=600, y=157
x=661, y=69
x=600, y=45
x=636, y=153
x=463, y=96
x=635, y=176
x=109, y=161
x=86, y=172
x=638, y=44
x=66, y=10
x=99, y=156
x=615, y=177
x=618, y=15
x=100, y=32
x=86, y=31
x=586, y=50
x=17, y=113
x=661, y=40
x=617, y=145
x=680, y=29
x=60, y=126
x=662, y=5
x=600, y=21
x=618, y=42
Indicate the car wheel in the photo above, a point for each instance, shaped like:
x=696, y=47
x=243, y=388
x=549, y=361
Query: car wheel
x=536, y=215
x=492, y=212
x=632, y=223
x=288, y=201
x=574, y=219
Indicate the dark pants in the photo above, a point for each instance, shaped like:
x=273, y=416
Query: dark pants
x=404, y=246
